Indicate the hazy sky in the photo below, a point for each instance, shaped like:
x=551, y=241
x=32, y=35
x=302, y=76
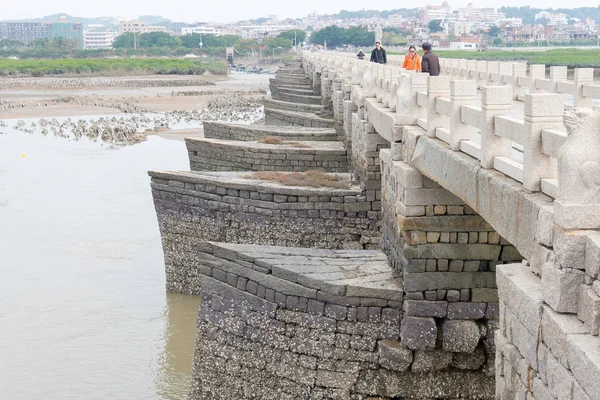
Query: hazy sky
x=233, y=10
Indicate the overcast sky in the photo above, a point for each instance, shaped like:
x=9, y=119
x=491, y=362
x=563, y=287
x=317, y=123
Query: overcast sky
x=232, y=10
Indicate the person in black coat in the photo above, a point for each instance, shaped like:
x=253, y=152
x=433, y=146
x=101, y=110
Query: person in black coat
x=360, y=55
x=378, y=54
x=430, y=63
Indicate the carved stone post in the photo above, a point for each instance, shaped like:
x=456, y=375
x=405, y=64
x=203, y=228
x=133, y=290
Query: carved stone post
x=557, y=74
x=519, y=70
x=496, y=100
x=368, y=80
x=542, y=111
x=582, y=77
x=437, y=86
x=461, y=93
x=536, y=71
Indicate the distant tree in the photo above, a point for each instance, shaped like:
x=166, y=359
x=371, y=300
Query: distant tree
x=494, y=31
x=435, y=26
x=542, y=21
x=191, y=40
x=359, y=36
x=10, y=44
x=393, y=39
x=124, y=41
x=497, y=42
x=158, y=39
x=297, y=34
x=336, y=36
x=277, y=42
x=333, y=35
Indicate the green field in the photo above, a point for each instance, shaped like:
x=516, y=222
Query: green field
x=569, y=57
x=112, y=67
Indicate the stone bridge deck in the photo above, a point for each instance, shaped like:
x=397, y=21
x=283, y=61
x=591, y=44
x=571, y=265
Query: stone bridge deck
x=233, y=155
x=245, y=132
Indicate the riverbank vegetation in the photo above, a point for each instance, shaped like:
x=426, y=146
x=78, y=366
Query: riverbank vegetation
x=573, y=58
x=570, y=57
x=112, y=67
x=155, y=44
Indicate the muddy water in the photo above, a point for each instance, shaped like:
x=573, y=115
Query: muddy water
x=83, y=309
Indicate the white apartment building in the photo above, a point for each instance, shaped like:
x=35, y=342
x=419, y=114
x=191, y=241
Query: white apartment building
x=202, y=30
x=266, y=28
x=99, y=39
x=139, y=27
x=552, y=18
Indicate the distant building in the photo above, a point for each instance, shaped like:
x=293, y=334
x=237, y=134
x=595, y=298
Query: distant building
x=202, y=30
x=432, y=13
x=552, y=18
x=463, y=46
x=66, y=30
x=98, y=39
x=25, y=32
x=139, y=27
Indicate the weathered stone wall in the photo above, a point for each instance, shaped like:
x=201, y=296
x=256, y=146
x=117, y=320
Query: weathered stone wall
x=365, y=158
x=269, y=328
x=228, y=131
x=297, y=107
x=293, y=97
x=541, y=353
x=289, y=118
x=231, y=207
x=221, y=155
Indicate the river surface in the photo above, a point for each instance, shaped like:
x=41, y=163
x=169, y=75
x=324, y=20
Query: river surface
x=83, y=309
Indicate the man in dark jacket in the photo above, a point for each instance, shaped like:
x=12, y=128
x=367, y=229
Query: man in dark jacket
x=430, y=63
x=378, y=54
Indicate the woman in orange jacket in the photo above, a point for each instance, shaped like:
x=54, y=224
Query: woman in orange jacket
x=412, y=61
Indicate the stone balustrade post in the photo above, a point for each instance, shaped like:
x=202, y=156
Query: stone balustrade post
x=368, y=80
x=536, y=71
x=444, y=65
x=357, y=71
x=505, y=73
x=557, y=74
x=393, y=87
x=379, y=82
x=386, y=83
x=482, y=73
x=496, y=100
x=583, y=76
x=471, y=69
x=418, y=84
x=518, y=70
x=493, y=77
x=462, y=92
x=437, y=86
x=455, y=69
x=463, y=69
x=542, y=111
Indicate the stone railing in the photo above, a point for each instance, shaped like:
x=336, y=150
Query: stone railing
x=522, y=143
x=535, y=182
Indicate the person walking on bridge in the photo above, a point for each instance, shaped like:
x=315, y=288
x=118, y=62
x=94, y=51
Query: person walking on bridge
x=412, y=61
x=430, y=62
x=378, y=54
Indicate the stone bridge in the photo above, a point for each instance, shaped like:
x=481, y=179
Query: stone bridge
x=461, y=260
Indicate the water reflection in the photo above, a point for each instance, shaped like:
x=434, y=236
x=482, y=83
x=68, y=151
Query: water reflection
x=175, y=363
